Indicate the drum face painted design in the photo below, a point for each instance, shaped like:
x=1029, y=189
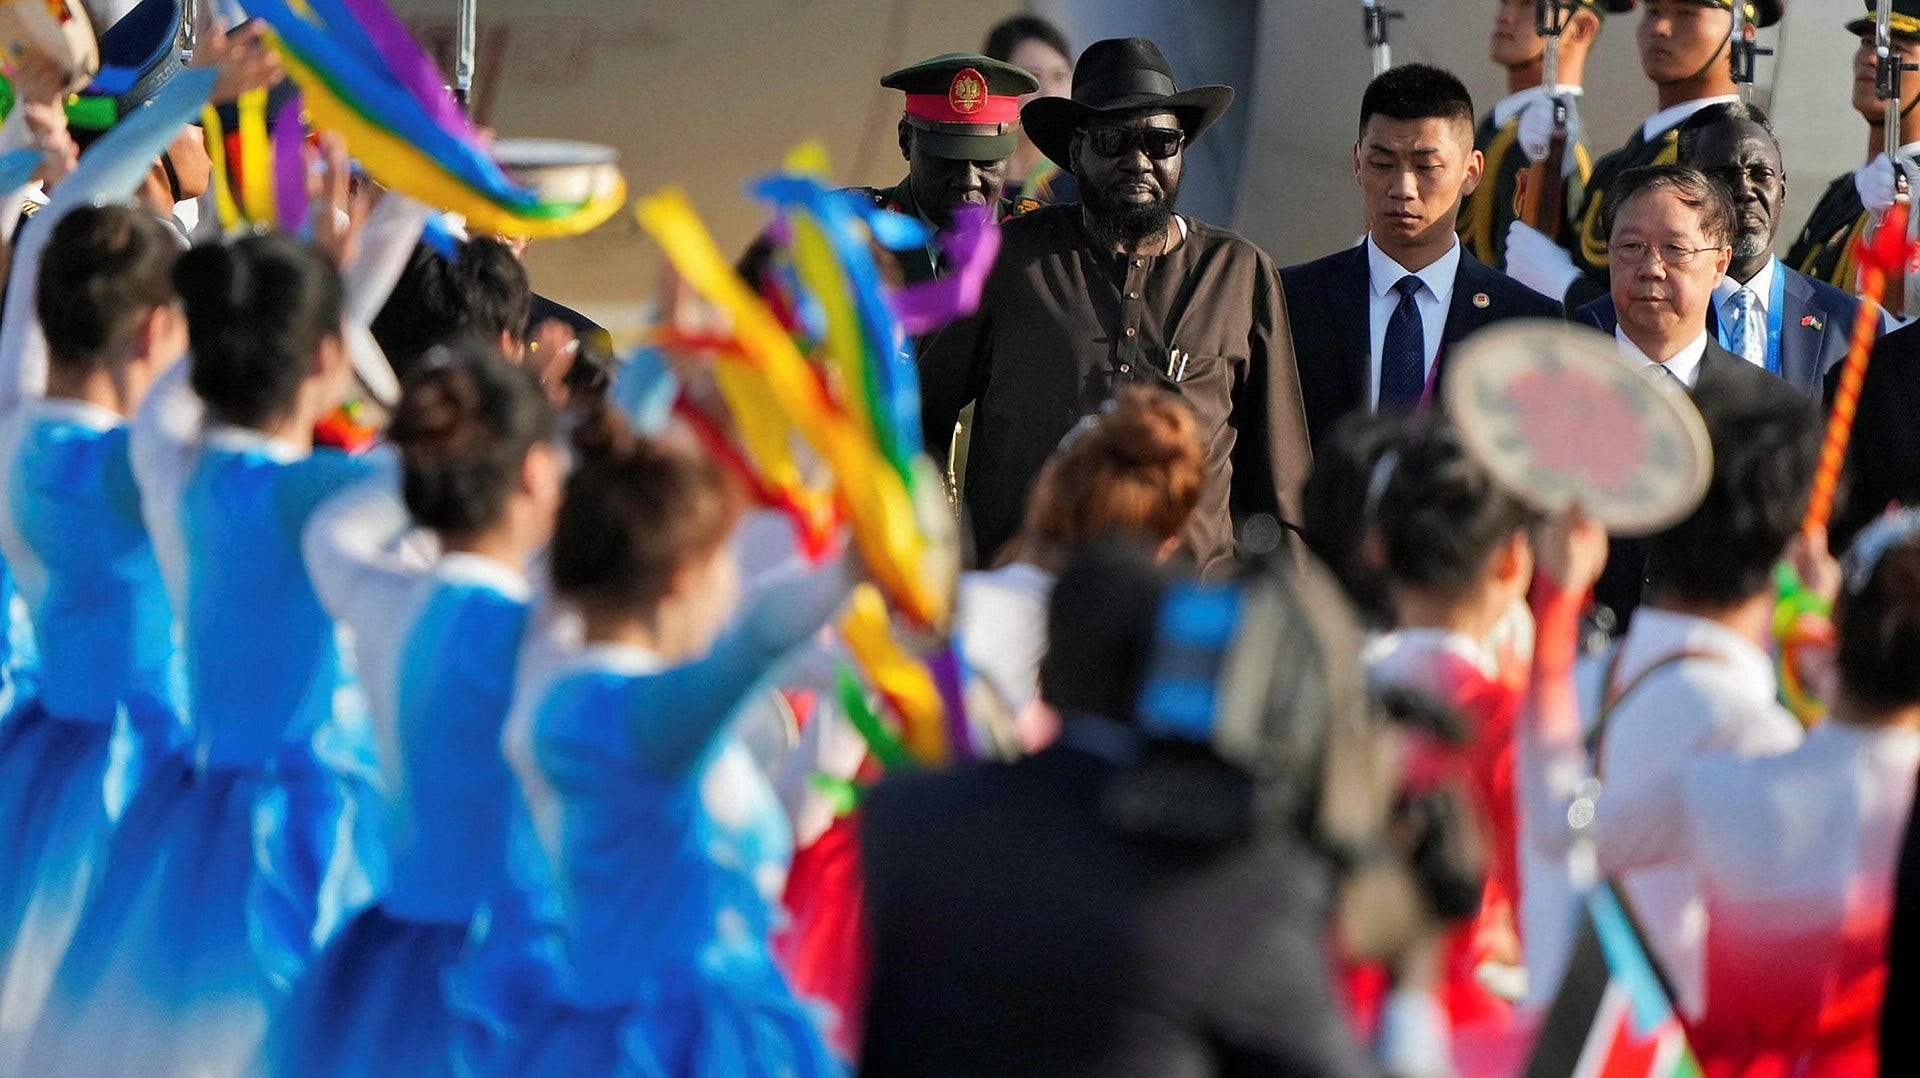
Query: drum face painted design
x=1562, y=419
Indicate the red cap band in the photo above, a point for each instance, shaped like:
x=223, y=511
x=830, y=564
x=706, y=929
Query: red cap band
x=991, y=109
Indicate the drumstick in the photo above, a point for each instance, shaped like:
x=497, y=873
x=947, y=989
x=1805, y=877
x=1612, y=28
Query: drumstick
x=1885, y=255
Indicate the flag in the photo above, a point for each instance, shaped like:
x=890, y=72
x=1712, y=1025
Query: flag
x=1613, y=1016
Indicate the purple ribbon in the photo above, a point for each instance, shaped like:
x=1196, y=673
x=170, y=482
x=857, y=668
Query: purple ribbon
x=970, y=246
x=290, y=166
x=409, y=63
x=948, y=672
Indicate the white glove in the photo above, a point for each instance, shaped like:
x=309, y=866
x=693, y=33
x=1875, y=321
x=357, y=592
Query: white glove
x=1536, y=131
x=1538, y=262
x=1874, y=182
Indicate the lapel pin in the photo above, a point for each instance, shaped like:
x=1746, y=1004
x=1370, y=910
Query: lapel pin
x=1481, y=301
x=1812, y=321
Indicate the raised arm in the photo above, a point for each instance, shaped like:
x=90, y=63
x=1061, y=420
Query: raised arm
x=677, y=716
x=1634, y=819
x=358, y=557
x=110, y=171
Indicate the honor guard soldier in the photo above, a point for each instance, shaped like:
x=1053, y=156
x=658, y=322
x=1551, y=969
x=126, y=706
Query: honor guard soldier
x=1825, y=247
x=1684, y=51
x=1516, y=131
x=960, y=125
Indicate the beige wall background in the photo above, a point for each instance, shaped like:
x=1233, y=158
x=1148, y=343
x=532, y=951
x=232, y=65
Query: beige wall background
x=708, y=94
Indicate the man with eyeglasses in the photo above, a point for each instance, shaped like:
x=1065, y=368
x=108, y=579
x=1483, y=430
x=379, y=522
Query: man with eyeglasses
x=1771, y=315
x=1671, y=232
x=1373, y=323
x=1684, y=52
x=1121, y=290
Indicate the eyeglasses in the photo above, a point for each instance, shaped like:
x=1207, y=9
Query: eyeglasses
x=1634, y=252
x=1158, y=143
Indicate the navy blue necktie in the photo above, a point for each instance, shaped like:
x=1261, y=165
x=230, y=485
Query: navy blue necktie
x=1403, y=355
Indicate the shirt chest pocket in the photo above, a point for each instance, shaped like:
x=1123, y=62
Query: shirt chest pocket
x=1206, y=381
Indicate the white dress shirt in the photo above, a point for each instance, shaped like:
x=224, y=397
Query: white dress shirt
x=1669, y=118
x=1684, y=364
x=1432, y=301
x=1726, y=308
x=1720, y=701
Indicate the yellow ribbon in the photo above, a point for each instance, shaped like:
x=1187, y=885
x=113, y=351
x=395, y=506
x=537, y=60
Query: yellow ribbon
x=398, y=164
x=256, y=159
x=897, y=676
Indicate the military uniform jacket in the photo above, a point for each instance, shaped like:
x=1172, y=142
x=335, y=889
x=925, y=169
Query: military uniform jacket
x=1588, y=242
x=1824, y=250
x=916, y=265
x=1063, y=324
x=1494, y=204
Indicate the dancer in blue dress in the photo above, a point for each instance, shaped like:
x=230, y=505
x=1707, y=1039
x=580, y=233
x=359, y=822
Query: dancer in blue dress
x=222, y=869
x=671, y=848
x=99, y=612
x=437, y=650
x=90, y=324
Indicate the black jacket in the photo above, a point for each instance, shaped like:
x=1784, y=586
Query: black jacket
x=1015, y=933
x=1327, y=308
x=1624, y=581
x=1883, y=459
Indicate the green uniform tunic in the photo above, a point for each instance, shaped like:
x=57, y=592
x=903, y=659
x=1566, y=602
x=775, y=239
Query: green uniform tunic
x=1825, y=248
x=1494, y=205
x=1587, y=241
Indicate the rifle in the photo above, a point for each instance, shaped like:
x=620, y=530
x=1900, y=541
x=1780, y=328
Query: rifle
x=1742, y=51
x=1374, y=17
x=1543, y=199
x=1887, y=69
x=463, y=51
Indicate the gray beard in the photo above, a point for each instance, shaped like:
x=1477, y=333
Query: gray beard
x=1746, y=246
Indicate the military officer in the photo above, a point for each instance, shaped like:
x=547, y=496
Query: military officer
x=960, y=124
x=1514, y=133
x=1684, y=51
x=1825, y=248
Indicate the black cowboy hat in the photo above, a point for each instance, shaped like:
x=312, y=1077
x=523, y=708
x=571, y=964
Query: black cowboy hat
x=1762, y=12
x=1117, y=76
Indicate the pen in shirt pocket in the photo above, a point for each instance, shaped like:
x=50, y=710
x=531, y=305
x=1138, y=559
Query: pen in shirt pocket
x=1177, y=364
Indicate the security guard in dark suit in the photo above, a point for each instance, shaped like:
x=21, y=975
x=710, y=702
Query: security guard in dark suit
x=1824, y=250
x=1684, y=51
x=1514, y=129
x=960, y=124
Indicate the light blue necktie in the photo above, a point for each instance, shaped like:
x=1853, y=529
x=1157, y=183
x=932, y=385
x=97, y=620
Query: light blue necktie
x=1746, y=330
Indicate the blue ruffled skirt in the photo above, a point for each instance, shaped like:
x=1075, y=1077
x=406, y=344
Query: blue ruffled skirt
x=54, y=823
x=204, y=914
x=746, y=1023
x=373, y=1003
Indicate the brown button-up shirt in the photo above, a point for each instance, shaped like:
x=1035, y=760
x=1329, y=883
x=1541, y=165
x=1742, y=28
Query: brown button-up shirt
x=1063, y=324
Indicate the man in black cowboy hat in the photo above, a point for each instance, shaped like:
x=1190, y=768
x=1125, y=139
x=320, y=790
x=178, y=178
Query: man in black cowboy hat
x=1121, y=290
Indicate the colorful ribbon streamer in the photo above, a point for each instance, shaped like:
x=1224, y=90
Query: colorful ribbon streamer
x=877, y=503
x=361, y=76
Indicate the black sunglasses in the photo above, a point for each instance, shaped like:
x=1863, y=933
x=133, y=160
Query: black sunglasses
x=1158, y=143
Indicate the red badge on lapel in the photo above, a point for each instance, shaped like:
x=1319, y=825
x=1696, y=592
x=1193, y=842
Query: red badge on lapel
x=1812, y=321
